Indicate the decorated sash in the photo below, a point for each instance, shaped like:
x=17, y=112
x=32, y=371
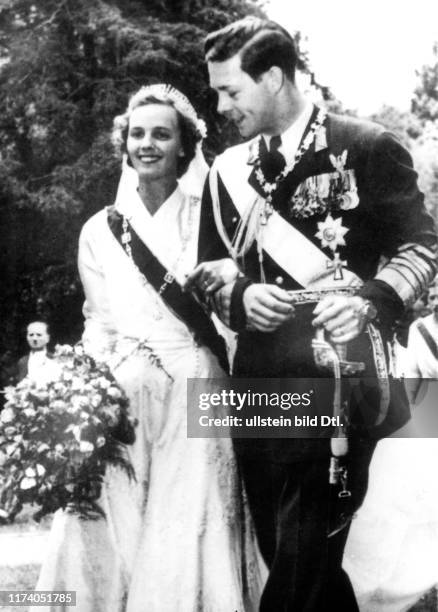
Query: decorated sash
x=286, y=245
x=183, y=305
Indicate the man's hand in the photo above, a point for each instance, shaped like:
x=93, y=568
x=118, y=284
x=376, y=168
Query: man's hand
x=267, y=306
x=210, y=276
x=342, y=317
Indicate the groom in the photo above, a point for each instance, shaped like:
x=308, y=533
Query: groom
x=317, y=203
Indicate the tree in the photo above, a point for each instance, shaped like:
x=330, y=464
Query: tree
x=67, y=68
x=425, y=147
x=425, y=99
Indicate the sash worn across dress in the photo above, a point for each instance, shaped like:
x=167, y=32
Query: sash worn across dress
x=178, y=537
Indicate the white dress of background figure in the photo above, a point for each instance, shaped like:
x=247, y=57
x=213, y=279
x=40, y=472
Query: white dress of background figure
x=179, y=538
x=392, y=550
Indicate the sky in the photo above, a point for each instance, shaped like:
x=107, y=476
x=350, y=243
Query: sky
x=366, y=52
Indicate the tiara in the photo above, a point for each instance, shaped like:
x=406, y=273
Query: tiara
x=164, y=91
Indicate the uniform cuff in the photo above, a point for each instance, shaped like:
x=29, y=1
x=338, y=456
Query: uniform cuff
x=389, y=306
x=237, y=310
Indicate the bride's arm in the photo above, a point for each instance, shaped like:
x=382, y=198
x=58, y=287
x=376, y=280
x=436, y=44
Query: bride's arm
x=99, y=333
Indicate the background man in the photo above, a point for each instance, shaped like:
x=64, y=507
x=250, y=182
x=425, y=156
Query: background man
x=313, y=202
x=38, y=362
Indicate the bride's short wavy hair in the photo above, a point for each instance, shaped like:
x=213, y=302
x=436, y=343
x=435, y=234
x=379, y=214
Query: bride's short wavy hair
x=188, y=123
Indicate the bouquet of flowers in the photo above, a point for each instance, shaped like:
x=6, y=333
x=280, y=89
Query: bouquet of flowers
x=57, y=437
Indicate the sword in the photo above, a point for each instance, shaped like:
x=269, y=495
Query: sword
x=333, y=357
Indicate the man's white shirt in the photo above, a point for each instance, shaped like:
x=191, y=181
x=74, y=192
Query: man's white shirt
x=40, y=368
x=291, y=138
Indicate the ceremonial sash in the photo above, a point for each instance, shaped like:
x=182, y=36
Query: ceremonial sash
x=286, y=245
x=183, y=305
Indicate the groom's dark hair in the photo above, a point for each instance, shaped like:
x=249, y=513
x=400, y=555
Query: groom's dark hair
x=260, y=43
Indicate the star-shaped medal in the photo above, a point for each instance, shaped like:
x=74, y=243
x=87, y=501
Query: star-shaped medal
x=331, y=232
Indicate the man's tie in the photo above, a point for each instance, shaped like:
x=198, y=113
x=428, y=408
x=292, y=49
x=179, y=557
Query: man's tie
x=272, y=162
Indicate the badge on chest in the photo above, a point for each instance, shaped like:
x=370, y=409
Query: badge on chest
x=328, y=192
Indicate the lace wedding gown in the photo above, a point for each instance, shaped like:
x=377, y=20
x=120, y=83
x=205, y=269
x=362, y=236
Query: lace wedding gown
x=178, y=538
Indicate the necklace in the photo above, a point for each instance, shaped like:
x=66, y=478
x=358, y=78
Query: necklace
x=251, y=227
x=186, y=237
x=268, y=187
x=169, y=277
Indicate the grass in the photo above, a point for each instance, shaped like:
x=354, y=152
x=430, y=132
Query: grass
x=23, y=577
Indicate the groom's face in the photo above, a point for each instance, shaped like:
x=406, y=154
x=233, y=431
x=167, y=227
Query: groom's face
x=246, y=102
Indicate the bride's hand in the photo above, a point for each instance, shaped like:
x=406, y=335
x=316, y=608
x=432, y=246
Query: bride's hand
x=210, y=276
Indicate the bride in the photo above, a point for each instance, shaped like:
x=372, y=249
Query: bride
x=176, y=539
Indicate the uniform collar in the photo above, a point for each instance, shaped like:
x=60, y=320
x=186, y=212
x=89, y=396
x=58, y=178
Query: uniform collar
x=291, y=138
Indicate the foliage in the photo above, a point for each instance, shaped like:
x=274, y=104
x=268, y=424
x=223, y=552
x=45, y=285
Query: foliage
x=405, y=125
x=425, y=99
x=67, y=68
x=418, y=130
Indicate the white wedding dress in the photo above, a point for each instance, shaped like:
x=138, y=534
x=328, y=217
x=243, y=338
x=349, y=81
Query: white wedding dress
x=179, y=538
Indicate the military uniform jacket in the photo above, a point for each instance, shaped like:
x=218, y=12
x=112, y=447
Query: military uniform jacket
x=349, y=213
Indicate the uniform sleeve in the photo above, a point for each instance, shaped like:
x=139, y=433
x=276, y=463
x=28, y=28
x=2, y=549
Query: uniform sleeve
x=408, y=230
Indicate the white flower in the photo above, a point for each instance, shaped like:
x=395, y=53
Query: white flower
x=58, y=406
x=9, y=393
x=29, y=412
x=114, y=393
x=7, y=415
x=100, y=441
x=63, y=349
x=77, y=384
x=103, y=382
x=32, y=473
x=96, y=400
x=76, y=431
x=86, y=447
x=10, y=449
x=331, y=232
x=27, y=483
x=41, y=394
x=77, y=403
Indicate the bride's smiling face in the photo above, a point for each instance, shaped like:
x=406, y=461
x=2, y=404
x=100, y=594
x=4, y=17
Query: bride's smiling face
x=154, y=141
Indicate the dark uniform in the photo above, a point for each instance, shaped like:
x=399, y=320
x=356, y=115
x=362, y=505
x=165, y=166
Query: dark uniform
x=353, y=198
